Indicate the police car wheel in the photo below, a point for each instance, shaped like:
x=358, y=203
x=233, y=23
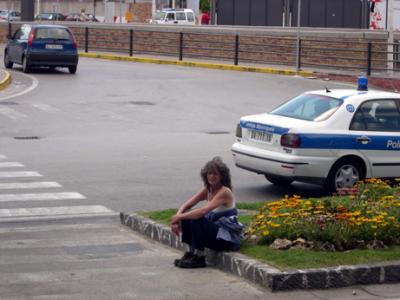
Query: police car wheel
x=344, y=174
x=278, y=181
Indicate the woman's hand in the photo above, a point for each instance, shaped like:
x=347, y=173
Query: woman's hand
x=175, y=219
x=176, y=228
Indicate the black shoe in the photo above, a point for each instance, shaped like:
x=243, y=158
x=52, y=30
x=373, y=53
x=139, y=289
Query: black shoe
x=185, y=256
x=193, y=262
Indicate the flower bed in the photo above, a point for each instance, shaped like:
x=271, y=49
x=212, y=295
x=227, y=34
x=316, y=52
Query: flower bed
x=367, y=216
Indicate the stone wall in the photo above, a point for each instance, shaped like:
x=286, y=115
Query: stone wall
x=320, y=48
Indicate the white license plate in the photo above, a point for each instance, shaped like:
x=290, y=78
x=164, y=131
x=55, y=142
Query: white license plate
x=52, y=46
x=261, y=136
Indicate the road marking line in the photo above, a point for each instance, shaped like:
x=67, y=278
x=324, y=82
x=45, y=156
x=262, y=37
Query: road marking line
x=41, y=196
x=34, y=84
x=11, y=113
x=3, y=157
x=10, y=164
x=29, y=185
x=19, y=174
x=54, y=211
x=44, y=107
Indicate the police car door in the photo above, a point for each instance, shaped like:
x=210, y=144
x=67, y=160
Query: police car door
x=376, y=128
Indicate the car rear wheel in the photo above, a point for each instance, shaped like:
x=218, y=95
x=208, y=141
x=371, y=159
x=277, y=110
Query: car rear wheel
x=25, y=65
x=72, y=69
x=344, y=174
x=7, y=62
x=278, y=181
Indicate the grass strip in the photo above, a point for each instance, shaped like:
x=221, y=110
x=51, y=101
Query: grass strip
x=294, y=258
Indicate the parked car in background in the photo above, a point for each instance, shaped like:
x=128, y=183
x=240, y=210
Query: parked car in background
x=50, y=17
x=77, y=17
x=174, y=16
x=329, y=137
x=42, y=45
x=11, y=15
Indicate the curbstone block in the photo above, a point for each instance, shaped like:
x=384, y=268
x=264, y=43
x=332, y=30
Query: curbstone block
x=268, y=276
x=392, y=273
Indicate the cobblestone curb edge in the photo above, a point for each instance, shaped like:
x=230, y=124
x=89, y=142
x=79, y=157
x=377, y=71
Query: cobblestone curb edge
x=268, y=276
x=197, y=64
x=5, y=80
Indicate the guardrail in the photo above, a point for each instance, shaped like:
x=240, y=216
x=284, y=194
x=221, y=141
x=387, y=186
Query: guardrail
x=352, y=55
x=356, y=51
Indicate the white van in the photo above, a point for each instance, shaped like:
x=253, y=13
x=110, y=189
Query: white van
x=183, y=16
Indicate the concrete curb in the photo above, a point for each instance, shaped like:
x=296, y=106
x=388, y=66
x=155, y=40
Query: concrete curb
x=5, y=81
x=270, y=277
x=198, y=64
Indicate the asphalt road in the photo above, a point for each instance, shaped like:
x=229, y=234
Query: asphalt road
x=125, y=137
x=134, y=136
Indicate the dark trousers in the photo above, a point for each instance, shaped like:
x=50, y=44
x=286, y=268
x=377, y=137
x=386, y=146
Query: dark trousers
x=202, y=233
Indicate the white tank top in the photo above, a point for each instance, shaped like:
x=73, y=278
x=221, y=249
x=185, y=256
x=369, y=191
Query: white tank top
x=222, y=208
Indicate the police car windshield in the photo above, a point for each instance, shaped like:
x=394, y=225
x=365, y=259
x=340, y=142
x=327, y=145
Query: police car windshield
x=309, y=107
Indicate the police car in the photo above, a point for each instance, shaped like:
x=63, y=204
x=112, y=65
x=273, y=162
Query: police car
x=333, y=138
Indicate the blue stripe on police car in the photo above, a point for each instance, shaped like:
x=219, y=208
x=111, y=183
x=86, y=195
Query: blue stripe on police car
x=341, y=141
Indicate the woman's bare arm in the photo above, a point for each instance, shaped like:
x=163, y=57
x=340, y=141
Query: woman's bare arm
x=200, y=196
x=219, y=199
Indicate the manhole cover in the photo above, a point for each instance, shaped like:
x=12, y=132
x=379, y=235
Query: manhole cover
x=141, y=102
x=8, y=103
x=26, y=137
x=217, y=132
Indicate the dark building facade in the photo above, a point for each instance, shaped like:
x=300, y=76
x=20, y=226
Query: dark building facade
x=314, y=13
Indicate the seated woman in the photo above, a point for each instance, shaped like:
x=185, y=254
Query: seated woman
x=214, y=225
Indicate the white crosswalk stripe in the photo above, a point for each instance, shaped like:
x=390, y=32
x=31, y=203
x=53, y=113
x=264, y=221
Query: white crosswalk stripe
x=10, y=164
x=29, y=185
x=19, y=174
x=41, y=213
x=41, y=196
x=52, y=211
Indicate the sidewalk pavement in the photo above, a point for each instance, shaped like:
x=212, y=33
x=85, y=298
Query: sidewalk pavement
x=271, y=277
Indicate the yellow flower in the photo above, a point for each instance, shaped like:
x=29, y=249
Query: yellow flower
x=265, y=233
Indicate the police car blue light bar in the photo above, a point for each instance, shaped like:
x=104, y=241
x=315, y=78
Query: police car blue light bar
x=362, y=83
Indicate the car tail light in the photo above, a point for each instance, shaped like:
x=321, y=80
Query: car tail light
x=30, y=38
x=290, y=140
x=238, y=131
x=73, y=40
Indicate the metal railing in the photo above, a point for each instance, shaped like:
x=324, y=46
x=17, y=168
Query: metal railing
x=350, y=55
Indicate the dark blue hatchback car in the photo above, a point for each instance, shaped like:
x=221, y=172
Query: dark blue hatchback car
x=42, y=46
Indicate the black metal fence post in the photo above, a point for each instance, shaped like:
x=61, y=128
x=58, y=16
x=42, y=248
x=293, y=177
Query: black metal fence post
x=299, y=56
x=369, y=59
x=131, y=42
x=180, y=45
x=236, y=62
x=86, y=39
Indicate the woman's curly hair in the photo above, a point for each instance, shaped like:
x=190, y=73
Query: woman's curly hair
x=217, y=164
